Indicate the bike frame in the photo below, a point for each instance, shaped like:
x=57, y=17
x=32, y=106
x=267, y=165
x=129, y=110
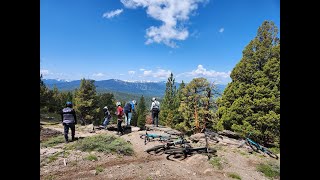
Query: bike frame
x=258, y=146
x=148, y=136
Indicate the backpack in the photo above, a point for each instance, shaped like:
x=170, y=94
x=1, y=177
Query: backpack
x=156, y=106
x=128, y=107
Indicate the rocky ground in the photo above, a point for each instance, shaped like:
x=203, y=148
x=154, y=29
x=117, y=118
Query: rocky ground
x=71, y=164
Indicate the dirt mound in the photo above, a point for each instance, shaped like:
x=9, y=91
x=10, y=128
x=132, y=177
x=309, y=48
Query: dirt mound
x=47, y=133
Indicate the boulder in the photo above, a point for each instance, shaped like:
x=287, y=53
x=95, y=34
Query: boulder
x=133, y=128
x=197, y=137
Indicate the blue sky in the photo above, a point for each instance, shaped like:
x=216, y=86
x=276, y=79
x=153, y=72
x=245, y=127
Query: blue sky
x=147, y=39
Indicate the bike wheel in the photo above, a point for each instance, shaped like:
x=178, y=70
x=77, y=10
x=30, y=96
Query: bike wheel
x=176, y=154
x=271, y=154
x=253, y=147
x=156, y=150
x=204, y=150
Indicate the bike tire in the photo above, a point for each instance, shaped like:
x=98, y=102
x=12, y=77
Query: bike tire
x=156, y=150
x=204, y=150
x=176, y=154
x=253, y=147
x=174, y=151
x=271, y=154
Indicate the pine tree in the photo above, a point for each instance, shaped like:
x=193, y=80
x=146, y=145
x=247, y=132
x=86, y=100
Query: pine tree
x=251, y=102
x=55, y=101
x=177, y=115
x=196, y=105
x=45, y=95
x=86, y=104
x=141, y=113
x=167, y=110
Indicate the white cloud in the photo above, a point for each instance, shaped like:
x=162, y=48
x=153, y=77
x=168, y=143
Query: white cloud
x=112, y=14
x=201, y=71
x=131, y=72
x=211, y=75
x=147, y=73
x=172, y=13
x=160, y=73
x=141, y=69
x=221, y=30
x=98, y=74
x=44, y=72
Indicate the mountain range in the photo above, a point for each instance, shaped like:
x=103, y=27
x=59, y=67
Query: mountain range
x=115, y=85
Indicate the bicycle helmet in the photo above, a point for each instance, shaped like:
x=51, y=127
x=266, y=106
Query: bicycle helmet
x=106, y=108
x=68, y=104
x=118, y=103
x=134, y=102
x=153, y=99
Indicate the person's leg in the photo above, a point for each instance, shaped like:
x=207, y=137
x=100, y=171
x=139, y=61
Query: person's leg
x=157, y=118
x=118, y=126
x=66, y=129
x=105, y=122
x=129, y=118
x=153, y=118
x=73, y=131
x=120, y=130
x=125, y=117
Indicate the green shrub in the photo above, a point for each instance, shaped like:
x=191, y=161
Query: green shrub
x=234, y=176
x=269, y=170
x=99, y=169
x=91, y=157
x=216, y=162
x=275, y=150
x=52, y=141
x=103, y=143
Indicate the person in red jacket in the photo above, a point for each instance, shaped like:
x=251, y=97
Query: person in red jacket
x=119, y=114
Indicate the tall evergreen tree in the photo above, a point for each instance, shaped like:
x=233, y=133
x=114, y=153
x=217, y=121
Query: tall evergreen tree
x=55, y=101
x=86, y=104
x=141, y=113
x=251, y=102
x=196, y=106
x=45, y=95
x=167, y=110
x=177, y=115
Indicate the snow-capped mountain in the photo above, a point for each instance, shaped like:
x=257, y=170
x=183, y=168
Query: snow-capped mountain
x=132, y=87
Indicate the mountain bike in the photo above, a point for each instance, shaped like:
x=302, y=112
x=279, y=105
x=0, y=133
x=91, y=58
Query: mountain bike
x=159, y=149
x=256, y=147
x=147, y=137
x=212, y=135
x=182, y=153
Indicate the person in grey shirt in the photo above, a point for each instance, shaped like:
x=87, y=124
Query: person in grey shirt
x=155, y=109
x=69, y=119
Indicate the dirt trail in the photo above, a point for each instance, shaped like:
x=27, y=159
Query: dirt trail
x=143, y=165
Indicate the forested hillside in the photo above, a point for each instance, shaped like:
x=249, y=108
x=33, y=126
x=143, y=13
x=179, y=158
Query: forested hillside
x=116, y=86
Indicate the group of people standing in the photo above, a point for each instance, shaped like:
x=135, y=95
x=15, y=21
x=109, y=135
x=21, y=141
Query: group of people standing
x=69, y=118
x=126, y=111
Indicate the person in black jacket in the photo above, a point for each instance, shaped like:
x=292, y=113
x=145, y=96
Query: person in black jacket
x=69, y=119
